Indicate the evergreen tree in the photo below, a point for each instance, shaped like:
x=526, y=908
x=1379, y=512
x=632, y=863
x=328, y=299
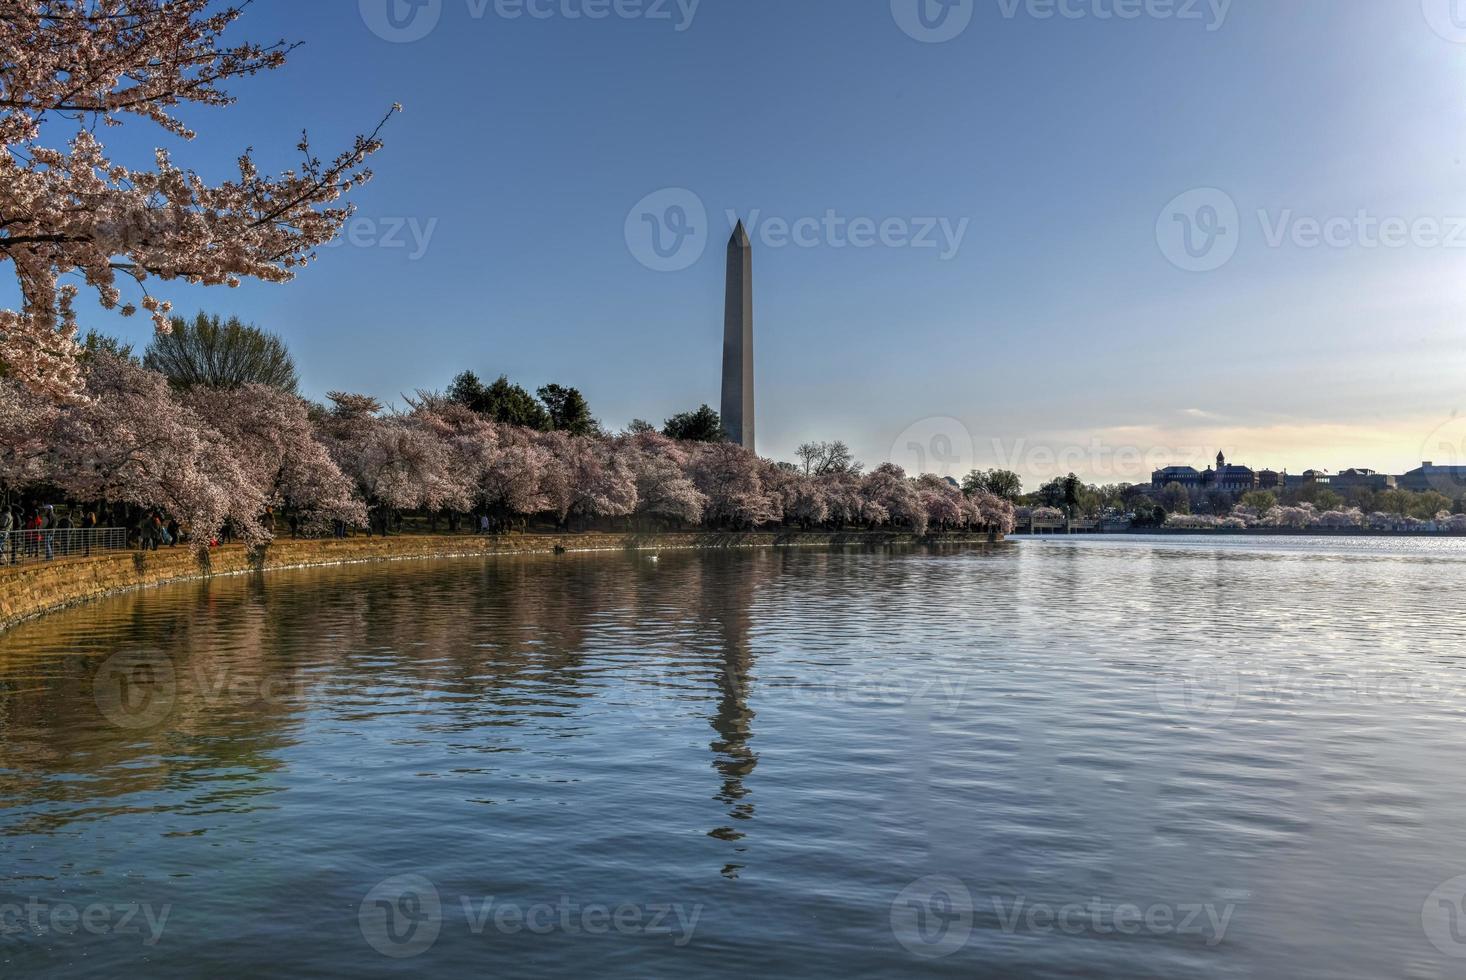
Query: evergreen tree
x=568, y=410
x=703, y=425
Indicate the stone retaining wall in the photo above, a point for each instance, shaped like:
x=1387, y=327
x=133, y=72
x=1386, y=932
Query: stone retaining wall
x=39, y=587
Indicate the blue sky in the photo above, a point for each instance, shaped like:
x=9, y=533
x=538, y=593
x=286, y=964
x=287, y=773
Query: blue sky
x=1063, y=329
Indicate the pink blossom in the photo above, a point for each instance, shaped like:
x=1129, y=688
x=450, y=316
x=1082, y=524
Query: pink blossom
x=68, y=209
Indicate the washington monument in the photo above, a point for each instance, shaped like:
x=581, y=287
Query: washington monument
x=738, y=417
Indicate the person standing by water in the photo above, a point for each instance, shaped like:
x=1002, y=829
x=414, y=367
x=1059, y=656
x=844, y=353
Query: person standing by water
x=64, y=524
x=7, y=528
x=88, y=531
x=173, y=532
x=48, y=527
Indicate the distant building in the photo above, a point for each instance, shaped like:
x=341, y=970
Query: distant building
x=1352, y=479
x=1229, y=479
x=1361, y=479
x=1271, y=480
x=1187, y=476
x=1307, y=478
x=1449, y=480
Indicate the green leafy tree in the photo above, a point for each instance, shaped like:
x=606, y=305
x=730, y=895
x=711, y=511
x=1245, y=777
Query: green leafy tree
x=503, y=401
x=209, y=353
x=568, y=410
x=1001, y=483
x=703, y=425
x=639, y=426
x=1261, y=501
x=1361, y=497
x=1428, y=504
x=99, y=343
x=512, y=405
x=467, y=390
x=1073, y=491
x=1174, y=499
x=1220, y=502
x=1395, y=502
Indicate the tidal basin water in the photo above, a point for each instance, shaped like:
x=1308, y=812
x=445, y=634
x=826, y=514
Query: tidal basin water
x=1137, y=757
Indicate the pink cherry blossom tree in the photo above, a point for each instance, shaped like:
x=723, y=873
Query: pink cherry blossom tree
x=128, y=440
x=605, y=480
x=806, y=503
x=67, y=209
x=729, y=476
x=276, y=446
x=658, y=466
x=27, y=420
x=843, y=500
x=887, y=491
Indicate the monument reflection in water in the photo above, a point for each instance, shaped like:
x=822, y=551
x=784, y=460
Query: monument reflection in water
x=236, y=669
x=790, y=762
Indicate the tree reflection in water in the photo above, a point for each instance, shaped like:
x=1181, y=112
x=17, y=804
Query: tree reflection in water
x=484, y=656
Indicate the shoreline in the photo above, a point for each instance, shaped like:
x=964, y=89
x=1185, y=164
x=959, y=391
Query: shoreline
x=39, y=588
x=1234, y=532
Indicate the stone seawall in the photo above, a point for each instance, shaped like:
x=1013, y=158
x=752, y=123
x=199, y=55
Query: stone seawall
x=40, y=587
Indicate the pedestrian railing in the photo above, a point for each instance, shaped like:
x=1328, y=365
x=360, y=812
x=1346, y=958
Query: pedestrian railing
x=42, y=544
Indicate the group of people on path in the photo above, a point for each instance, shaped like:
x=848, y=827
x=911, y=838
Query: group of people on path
x=26, y=535
x=153, y=532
